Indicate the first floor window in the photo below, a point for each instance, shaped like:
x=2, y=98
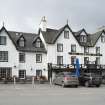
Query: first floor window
x=73, y=60
x=97, y=50
x=38, y=58
x=59, y=59
x=60, y=47
x=73, y=48
x=21, y=57
x=22, y=73
x=3, y=56
x=86, y=60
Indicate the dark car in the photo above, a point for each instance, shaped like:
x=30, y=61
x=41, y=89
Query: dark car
x=90, y=79
x=66, y=79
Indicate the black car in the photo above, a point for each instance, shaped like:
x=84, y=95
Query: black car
x=90, y=79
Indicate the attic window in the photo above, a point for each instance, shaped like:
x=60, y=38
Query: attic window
x=21, y=42
x=38, y=43
x=66, y=34
x=103, y=38
x=2, y=40
x=83, y=38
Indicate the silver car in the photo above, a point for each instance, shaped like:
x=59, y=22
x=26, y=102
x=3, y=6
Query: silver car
x=66, y=79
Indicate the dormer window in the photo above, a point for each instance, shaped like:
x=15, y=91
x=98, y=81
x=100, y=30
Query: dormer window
x=83, y=38
x=66, y=34
x=103, y=38
x=21, y=42
x=38, y=43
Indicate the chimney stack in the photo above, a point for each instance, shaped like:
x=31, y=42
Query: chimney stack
x=43, y=24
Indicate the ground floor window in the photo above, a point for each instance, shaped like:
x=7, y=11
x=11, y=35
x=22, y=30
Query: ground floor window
x=86, y=60
x=5, y=72
x=73, y=60
x=3, y=56
x=38, y=73
x=22, y=73
x=59, y=60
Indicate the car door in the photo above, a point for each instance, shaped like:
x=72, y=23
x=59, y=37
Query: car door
x=61, y=78
x=55, y=79
x=58, y=78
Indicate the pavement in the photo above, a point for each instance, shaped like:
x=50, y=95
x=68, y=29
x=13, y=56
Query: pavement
x=46, y=94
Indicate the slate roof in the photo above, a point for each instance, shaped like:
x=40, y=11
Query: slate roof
x=89, y=40
x=51, y=35
x=96, y=36
x=29, y=39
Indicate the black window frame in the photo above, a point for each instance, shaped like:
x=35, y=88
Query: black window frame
x=59, y=45
x=59, y=60
x=83, y=38
x=38, y=43
x=22, y=42
x=22, y=76
x=5, y=42
x=86, y=60
x=86, y=50
x=39, y=72
x=97, y=50
x=73, y=46
x=66, y=34
x=97, y=60
x=39, y=61
x=103, y=38
x=3, y=56
x=22, y=55
x=73, y=60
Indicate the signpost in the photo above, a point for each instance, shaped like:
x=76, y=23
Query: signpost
x=14, y=80
x=33, y=81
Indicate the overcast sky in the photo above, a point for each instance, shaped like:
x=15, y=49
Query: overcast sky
x=25, y=15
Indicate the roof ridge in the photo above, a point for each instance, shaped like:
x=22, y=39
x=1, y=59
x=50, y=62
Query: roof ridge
x=21, y=32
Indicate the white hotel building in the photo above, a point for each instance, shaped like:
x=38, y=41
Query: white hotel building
x=28, y=54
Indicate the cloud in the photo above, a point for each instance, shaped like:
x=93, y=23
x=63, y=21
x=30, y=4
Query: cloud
x=25, y=15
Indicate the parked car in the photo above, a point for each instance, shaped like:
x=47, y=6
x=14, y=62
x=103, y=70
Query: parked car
x=66, y=79
x=90, y=79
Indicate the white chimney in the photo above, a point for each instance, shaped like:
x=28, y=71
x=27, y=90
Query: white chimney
x=43, y=24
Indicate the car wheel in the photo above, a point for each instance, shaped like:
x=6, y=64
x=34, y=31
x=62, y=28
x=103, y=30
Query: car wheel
x=63, y=85
x=98, y=85
x=53, y=83
x=76, y=86
x=86, y=84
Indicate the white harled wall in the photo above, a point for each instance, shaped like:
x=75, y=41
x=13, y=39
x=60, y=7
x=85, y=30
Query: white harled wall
x=12, y=54
x=52, y=49
x=30, y=64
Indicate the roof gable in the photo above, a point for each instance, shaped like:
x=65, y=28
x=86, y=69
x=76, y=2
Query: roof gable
x=3, y=28
x=51, y=35
x=28, y=37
